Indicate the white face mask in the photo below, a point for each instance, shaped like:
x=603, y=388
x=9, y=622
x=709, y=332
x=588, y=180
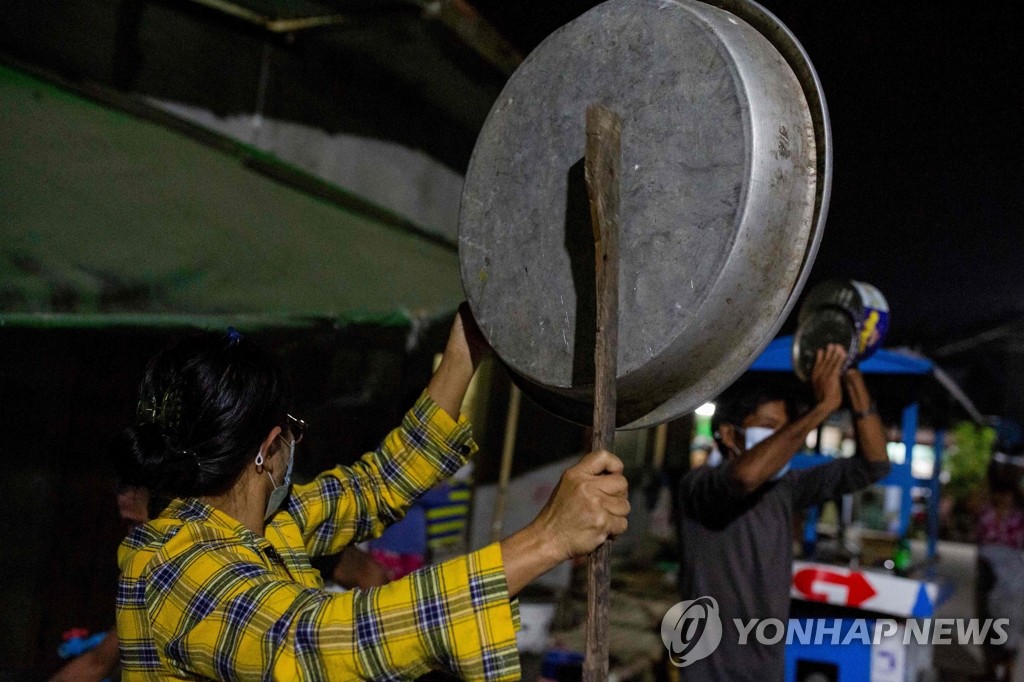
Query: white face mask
x=280, y=492
x=756, y=434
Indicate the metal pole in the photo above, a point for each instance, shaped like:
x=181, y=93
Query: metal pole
x=933, y=498
x=909, y=426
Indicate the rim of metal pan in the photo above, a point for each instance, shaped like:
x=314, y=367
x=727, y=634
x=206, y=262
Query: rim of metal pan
x=779, y=36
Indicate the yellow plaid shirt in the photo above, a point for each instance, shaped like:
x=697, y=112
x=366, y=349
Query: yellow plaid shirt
x=200, y=596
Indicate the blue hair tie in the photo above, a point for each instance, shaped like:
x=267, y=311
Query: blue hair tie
x=234, y=336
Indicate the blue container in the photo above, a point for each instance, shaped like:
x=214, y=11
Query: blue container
x=559, y=665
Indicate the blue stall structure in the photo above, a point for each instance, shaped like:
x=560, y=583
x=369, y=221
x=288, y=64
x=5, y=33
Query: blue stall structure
x=865, y=597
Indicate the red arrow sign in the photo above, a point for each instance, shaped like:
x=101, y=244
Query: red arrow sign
x=858, y=590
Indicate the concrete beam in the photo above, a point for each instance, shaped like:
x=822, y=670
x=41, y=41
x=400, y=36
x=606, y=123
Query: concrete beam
x=466, y=22
x=273, y=24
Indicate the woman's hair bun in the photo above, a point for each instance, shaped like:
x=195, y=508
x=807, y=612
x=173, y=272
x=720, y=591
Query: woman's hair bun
x=144, y=456
x=205, y=405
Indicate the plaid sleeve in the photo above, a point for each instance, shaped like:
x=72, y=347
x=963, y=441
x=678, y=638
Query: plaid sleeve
x=454, y=616
x=356, y=503
x=217, y=615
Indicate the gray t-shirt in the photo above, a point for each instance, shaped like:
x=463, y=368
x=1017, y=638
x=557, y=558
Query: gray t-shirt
x=738, y=549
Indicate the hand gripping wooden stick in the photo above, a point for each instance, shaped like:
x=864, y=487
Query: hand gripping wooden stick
x=602, y=166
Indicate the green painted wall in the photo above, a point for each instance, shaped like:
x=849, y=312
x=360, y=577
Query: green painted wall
x=105, y=213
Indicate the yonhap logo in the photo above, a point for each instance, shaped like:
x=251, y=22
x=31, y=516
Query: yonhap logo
x=691, y=630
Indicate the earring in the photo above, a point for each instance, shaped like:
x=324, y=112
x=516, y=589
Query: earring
x=259, y=458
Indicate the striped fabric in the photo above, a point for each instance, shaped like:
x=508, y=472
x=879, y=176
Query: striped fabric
x=200, y=596
x=447, y=510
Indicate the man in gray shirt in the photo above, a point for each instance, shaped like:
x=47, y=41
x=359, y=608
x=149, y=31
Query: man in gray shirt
x=736, y=519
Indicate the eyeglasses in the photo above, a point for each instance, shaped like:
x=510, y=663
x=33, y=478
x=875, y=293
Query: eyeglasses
x=296, y=427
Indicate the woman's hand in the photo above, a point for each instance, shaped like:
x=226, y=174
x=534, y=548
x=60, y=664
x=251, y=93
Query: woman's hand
x=589, y=505
x=465, y=349
x=466, y=330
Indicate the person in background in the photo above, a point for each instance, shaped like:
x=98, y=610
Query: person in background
x=735, y=519
x=1000, y=537
x=220, y=586
x=351, y=569
x=100, y=662
x=357, y=570
x=1001, y=522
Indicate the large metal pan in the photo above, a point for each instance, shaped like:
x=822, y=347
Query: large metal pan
x=726, y=158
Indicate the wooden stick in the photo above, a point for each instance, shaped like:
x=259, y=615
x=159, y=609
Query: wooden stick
x=660, y=443
x=508, y=448
x=602, y=167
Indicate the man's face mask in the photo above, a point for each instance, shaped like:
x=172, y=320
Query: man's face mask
x=756, y=434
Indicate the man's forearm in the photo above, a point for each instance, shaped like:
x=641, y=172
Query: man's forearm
x=870, y=430
x=871, y=436
x=766, y=458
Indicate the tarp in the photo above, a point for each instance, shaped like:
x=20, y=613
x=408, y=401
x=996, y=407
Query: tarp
x=778, y=357
x=106, y=216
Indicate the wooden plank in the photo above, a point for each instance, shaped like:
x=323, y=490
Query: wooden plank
x=507, y=452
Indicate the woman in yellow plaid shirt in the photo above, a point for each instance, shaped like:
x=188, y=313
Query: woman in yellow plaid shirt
x=220, y=586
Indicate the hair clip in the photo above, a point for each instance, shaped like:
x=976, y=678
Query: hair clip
x=166, y=413
x=194, y=456
x=234, y=336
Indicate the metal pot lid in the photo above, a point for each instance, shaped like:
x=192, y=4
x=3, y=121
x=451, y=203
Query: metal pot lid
x=726, y=173
x=819, y=328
